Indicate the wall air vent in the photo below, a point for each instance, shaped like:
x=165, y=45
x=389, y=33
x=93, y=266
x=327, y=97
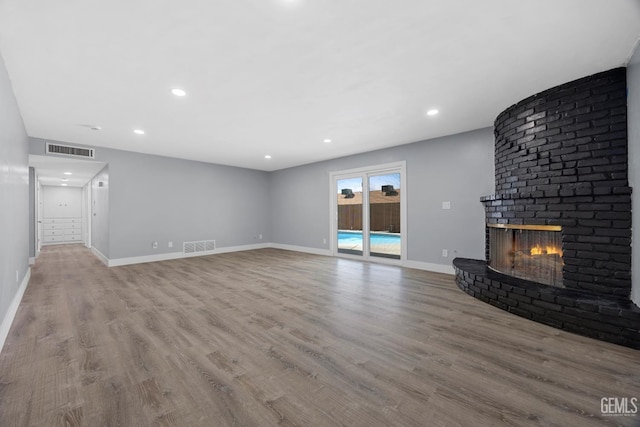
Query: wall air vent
x=67, y=150
x=199, y=246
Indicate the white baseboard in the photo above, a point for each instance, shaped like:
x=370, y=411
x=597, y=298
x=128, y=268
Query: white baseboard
x=100, y=256
x=314, y=251
x=428, y=266
x=13, y=309
x=240, y=248
x=117, y=262
x=418, y=265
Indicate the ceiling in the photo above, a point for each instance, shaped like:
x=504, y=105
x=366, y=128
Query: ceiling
x=62, y=171
x=278, y=77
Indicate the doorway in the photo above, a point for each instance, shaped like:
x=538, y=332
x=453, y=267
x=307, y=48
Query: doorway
x=368, y=211
x=62, y=199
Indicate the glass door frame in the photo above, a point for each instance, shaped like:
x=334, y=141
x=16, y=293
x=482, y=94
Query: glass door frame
x=365, y=173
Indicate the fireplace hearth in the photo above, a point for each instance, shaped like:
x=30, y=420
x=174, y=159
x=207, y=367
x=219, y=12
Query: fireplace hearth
x=558, y=228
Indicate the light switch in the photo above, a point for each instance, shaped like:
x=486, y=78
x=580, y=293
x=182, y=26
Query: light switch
x=446, y=205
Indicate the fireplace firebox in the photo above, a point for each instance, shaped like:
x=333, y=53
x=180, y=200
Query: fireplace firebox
x=527, y=252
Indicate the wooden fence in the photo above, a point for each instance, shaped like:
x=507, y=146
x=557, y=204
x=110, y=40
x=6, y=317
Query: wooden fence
x=384, y=217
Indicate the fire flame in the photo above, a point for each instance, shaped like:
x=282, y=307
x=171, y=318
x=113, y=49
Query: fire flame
x=549, y=250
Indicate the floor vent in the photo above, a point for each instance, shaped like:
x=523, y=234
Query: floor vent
x=200, y=246
x=67, y=150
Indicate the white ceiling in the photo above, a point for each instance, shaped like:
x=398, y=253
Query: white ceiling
x=51, y=170
x=279, y=76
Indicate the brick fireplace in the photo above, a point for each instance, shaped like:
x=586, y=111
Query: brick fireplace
x=561, y=175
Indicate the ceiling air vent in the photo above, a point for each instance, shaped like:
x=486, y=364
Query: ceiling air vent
x=67, y=150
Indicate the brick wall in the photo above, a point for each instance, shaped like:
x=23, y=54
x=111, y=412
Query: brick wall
x=561, y=159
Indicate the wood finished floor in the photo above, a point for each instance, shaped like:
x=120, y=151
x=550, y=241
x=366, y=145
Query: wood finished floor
x=270, y=337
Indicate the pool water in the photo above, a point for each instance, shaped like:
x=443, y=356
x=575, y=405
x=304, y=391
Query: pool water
x=347, y=237
x=382, y=244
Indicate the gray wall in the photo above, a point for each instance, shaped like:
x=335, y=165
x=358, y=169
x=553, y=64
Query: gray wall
x=100, y=212
x=162, y=199
x=14, y=195
x=456, y=168
x=633, y=123
x=154, y=198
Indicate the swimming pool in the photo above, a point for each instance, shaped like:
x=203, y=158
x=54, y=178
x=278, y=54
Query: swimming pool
x=376, y=238
x=381, y=244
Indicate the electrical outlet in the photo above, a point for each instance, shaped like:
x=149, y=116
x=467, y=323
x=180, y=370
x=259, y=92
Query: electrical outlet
x=260, y=237
x=17, y=276
x=324, y=241
x=154, y=245
x=446, y=205
x=170, y=243
x=445, y=253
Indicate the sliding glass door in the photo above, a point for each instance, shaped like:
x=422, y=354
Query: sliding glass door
x=350, y=239
x=384, y=216
x=368, y=206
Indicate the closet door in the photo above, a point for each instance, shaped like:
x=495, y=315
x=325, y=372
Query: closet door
x=62, y=214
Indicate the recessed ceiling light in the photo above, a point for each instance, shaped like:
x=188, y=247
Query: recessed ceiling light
x=64, y=185
x=327, y=141
x=267, y=156
x=96, y=127
x=138, y=131
x=178, y=92
x=432, y=112
x=68, y=173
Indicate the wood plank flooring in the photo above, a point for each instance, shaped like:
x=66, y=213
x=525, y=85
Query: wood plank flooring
x=271, y=337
